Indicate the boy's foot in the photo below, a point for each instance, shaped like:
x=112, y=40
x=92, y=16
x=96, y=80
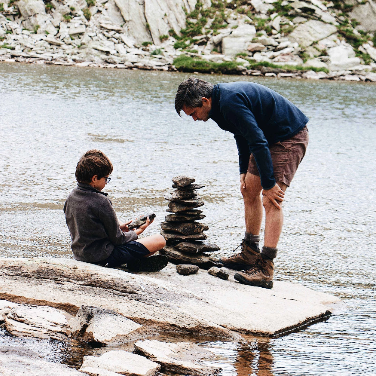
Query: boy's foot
x=148, y=264
x=244, y=260
x=261, y=275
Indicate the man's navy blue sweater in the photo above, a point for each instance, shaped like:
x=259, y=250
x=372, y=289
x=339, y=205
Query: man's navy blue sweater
x=258, y=117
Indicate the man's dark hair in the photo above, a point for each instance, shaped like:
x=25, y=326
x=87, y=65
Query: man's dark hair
x=190, y=93
x=93, y=162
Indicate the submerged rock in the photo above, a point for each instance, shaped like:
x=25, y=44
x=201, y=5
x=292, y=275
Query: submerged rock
x=181, y=357
x=187, y=269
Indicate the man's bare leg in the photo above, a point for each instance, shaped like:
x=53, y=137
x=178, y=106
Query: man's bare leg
x=253, y=209
x=273, y=220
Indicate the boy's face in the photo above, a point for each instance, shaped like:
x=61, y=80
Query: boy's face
x=98, y=184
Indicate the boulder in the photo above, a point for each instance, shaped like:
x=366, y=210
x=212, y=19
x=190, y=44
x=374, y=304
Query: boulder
x=238, y=40
x=311, y=31
x=365, y=13
x=315, y=63
x=41, y=322
x=120, y=362
x=371, y=51
x=187, y=269
x=94, y=324
x=181, y=357
x=342, y=57
x=30, y=8
x=254, y=47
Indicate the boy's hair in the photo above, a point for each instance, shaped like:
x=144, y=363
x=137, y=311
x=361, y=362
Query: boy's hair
x=93, y=162
x=190, y=93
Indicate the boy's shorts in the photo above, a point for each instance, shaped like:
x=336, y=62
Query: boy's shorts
x=286, y=157
x=125, y=253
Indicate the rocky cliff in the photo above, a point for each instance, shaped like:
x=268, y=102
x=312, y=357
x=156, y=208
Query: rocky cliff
x=327, y=39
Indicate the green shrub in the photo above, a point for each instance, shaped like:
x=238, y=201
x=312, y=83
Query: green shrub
x=67, y=17
x=49, y=6
x=157, y=51
x=90, y=3
x=6, y=46
x=87, y=13
x=185, y=63
x=1, y=7
x=163, y=38
x=145, y=44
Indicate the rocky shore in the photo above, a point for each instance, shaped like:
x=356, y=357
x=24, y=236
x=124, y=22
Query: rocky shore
x=113, y=309
x=273, y=38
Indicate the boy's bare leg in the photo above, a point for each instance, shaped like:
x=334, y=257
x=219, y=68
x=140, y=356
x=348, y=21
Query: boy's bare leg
x=273, y=220
x=253, y=210
x=153, y=243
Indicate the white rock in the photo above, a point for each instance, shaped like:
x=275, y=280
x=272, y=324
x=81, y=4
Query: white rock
x=41, y=322
x=349, y=77
x=342, y=57
x=120, y=362
x=53, y=41
x=29, y=8
x=218, y=38
x=371, y=77
x=276, y=23
x=101, y=325
x=311, y=75
x=311, y=31
x=262, y=6
x=316, y=63
x=5, y=306
x=370, y=50
x=365, y=13
x=238, y=41
x=74, y=30
x=181, y=357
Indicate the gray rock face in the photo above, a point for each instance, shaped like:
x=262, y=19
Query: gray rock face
x=100, y=325
x=238, y=40
x=311, y=31
x=119, y=363
x=187, y=269
x=182, y=357
x=366, y=15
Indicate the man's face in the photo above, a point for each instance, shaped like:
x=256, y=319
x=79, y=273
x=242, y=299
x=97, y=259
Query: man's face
x=199, y=113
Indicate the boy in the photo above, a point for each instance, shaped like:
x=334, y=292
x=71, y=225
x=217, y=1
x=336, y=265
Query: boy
x=97, y=236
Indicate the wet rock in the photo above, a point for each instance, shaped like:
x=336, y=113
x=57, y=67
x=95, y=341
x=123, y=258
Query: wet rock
x=40, y=322
x=194, y=248
x=94, y=324
x=173, y=236
x=189, y=228
x=182, y=181
x=119, y=362
x=176, y=207
x=221, y=273
x=177, y=257
x=182, y=357
x=187, y=269
x=183, y=217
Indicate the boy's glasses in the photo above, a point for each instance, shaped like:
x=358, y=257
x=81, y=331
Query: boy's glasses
x=107, y=180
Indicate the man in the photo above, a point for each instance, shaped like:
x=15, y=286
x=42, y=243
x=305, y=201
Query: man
x=271, y=137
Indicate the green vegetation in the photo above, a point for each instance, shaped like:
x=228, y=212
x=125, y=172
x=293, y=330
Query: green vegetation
x=72, y=9
x=87, y=13
x=1, y=7
x=90, y=3
x=49, y=6
x=157, y=51
x=162, y=38
x=2, y=38
x=67, y=17
x=11, y=2
x=36, y=28
x=145, y=44
x=9, y=32
x=7, y=46
x=185, y=63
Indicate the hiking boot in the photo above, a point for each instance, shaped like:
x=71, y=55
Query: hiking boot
x=148, y=264
x=244, y=260
x=261, y=275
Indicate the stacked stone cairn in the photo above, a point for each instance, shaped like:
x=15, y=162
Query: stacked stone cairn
x=183, y=233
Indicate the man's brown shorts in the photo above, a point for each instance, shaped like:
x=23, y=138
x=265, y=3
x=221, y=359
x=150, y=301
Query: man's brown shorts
x=286, y=157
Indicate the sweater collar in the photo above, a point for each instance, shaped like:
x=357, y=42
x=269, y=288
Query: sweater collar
x=89, y=188
x=215, y=102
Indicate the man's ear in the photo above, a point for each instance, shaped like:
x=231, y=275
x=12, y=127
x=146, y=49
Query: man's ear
x=94, y=179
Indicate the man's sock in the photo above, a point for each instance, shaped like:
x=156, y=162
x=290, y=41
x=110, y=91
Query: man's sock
x=268, y=253
x=250, y=238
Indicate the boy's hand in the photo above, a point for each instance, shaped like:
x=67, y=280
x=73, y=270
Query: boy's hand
x=142, y=228
x=124, y=226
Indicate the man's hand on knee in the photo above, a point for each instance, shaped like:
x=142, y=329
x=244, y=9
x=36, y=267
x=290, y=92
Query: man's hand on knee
x=242, y=182
x=275, y=195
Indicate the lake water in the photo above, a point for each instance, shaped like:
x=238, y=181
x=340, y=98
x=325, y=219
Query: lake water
x=49, y=116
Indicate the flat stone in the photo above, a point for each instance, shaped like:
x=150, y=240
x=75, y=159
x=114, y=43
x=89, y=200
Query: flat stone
x=181, y=357
x=188, y=187
x=165, y=297
x=189, y=228
x=182, y=217
x=183, y=181
x=187, y=269
x=176, y=207
x=100, y=325
x=177, y=257
x=120, y=362
x=179, y=237
x=194, y=248
x=182, y=195
x=40, y=322
x=5, y=308
x=253, y=47
x=221, y=273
